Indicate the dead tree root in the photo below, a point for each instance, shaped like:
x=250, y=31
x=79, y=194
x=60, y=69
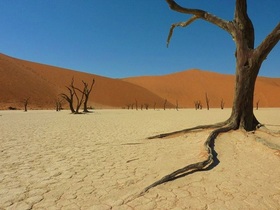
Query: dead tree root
x=209, y=163
x=199, y=127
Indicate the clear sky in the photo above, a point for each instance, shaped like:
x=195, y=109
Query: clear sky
x=122, y=38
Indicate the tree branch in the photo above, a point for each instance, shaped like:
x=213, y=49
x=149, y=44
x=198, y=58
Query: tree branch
x=225, y=25
x=267, y=44
x=182, y=24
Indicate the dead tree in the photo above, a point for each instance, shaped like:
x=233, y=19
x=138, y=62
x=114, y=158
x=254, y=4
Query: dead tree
x=146, y=106
x=177, y=105
x=69, y=98
x=136, y=104
x=222, y=104
x=164, y=104
x=197, y=105
x=25, y=103
x=87, y=90
x=257, y=104
x=58, y=104
x=248, y=62
x=207, y=101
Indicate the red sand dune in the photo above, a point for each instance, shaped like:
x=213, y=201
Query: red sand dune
x=189, y=86
x=43, y=83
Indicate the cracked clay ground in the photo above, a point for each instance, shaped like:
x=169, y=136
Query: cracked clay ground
x=51, y=160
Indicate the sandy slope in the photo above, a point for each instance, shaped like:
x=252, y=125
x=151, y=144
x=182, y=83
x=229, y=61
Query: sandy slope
x=192, y=85
x=21, y=79
x=43, y=83
x=51, y=160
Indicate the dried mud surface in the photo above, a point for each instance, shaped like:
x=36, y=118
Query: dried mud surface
x=56, y=160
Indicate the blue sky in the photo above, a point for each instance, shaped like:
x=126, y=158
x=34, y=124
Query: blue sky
x=122, y=38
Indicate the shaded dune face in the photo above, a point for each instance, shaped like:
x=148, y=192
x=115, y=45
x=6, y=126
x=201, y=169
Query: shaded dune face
x=41, y=83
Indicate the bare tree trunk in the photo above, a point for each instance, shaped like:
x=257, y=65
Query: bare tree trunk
x=207, y=101
x=222, y=104
x=177, y=105
x=257, y=104
x=25, y=103
x=242, y=111
x=136, y=104
x=87, y=92
x=164, y=105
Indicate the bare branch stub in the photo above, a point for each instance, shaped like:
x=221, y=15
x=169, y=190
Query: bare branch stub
x=181, y=24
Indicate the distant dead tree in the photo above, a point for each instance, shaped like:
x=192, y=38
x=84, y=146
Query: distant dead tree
x=58, y=104
x=128, y=106
x=87, y=90
x=177, y=105
x=207, y=101
x=81, y=98
x=257, y=104
x=136, y=104
x=141, y=106
x=197, y=105
x=222, y=104
x=146, y=106
x=25, y=103
x=164, y=105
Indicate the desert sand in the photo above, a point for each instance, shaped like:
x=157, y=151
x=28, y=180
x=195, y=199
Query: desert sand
x=56, y=160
